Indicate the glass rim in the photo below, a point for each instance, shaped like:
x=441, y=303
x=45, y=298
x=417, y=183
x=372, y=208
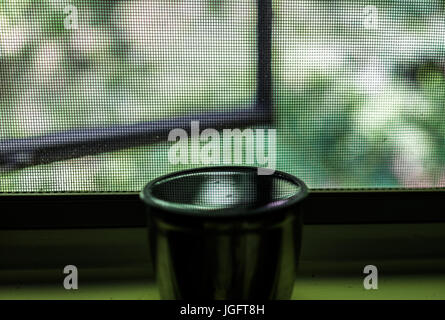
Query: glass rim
x=179, y=209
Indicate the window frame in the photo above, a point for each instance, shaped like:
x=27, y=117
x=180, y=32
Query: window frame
x=126, y=210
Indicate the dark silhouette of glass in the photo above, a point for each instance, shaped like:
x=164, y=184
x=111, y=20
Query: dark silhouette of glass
x=225, y=233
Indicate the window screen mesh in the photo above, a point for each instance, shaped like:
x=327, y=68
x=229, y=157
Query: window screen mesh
x=358, y=86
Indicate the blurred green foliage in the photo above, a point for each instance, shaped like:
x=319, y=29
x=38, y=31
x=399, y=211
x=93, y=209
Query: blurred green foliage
x=355, y=107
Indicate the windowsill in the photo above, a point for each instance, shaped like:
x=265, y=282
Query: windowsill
x=113, y=263
x=403, y=287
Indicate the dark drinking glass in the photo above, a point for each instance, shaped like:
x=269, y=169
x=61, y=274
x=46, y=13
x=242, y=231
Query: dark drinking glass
x=225, y=233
